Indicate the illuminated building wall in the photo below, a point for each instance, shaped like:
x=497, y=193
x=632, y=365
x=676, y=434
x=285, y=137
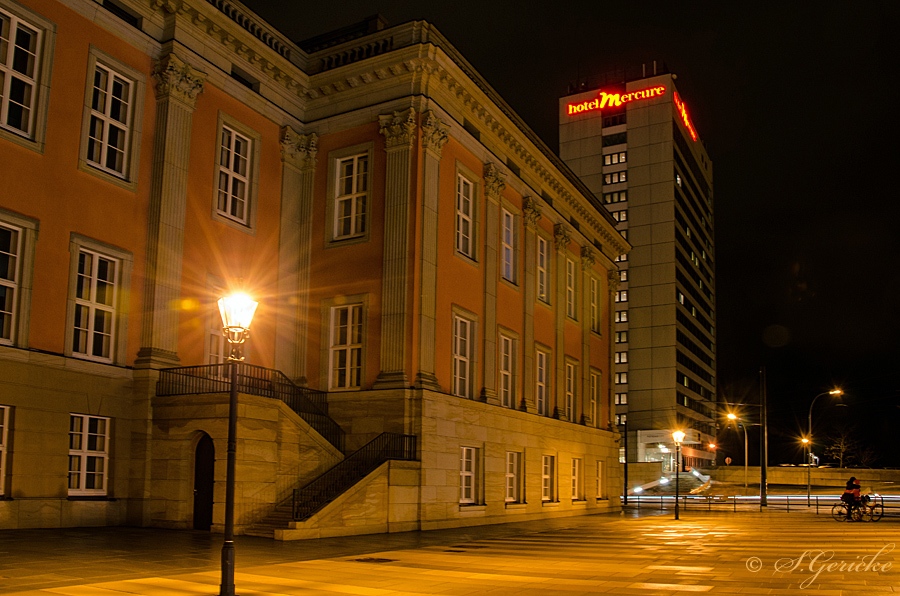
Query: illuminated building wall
x=636, y=147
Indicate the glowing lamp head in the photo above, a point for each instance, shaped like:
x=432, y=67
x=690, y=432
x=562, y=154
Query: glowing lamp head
x=731, y=416
x=804, y=440
x=678, y=436
x=712, y=445
x=237, y=312
x=836, y=392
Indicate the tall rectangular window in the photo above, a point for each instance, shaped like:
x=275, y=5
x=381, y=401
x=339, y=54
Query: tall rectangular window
x=508, y=246
x=20, y=45
x=346, y=346
x=4, y=439
x=601, y=481
x=95, y=306
x=542, y=382
x=351, y=196
x=88, y=454
x=10, y=249
x=595, y=305
x=109, y=133
x=234, y=175
x=465, y=216
x=570, y=289
x=507, y=371
x=548, y=474
x=468, y=475
x=543, y=269
x=513, y=477
x=621, y=378
x=595, y=397
x=463, y=356
x=577, y=479
x=571, y=380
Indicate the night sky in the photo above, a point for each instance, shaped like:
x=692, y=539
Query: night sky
x=798, y=108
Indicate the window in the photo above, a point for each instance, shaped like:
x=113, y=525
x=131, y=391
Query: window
x=109, y=131
x=468, y=475
x=463, y=356
x=622, y=296
x=678, y=179
x=621, y=378
x=611, y=159
x=577, y=479
x=570, y=289
x=614, y=120
x=94, y=330
x=621, y=258
x=88, y=454
x=621, y=316
x=508, y=246
x=621, y=215
x=617, y=138
x=615, y=177
x=621, y=337
x=595, y=397
x=601, y=481
x=513, y=477
x=621, y=357
x=542, y=382
x=351, y=196
x=465, y=216
x=548, y=472
x=4, y=434
x=543, y=269
x=346, y=346
x=10, y=251
x=234, y=175
x=571, y=380
x=615, y=197
x=620, y=419
x=507, y=371
x=595, y=305
x=623, y=275
x=621, y=399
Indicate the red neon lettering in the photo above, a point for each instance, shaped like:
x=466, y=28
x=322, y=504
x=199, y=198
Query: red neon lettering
x=615, y=99
x=682, y=110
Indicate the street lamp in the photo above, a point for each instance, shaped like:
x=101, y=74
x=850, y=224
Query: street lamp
x=237, y=312
x=835, y=393
x=677, y=437
x=733, y=417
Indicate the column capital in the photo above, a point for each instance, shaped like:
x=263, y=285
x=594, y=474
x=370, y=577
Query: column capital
x=399, y=128
x=299, y=150
x=178, y=80
x=493, y=181
x=562, y=236
x=434, y=132
x=613, y=278
x=587, y=257
x=532, y=211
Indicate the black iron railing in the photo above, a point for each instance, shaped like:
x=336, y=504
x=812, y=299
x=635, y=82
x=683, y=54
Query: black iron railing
x=330, y=485
x=309, y=404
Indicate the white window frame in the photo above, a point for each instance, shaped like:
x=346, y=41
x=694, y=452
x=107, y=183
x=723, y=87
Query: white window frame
x=543, y=269
x=601, y=481
x=508, y=246
x=465, y=215
x=463, y=356
x=97, y=298
x=513, y=477
x=17, y=278
x=227, y=175
x=346, y=351
x=571, y=393
x=80, y=446
x=548, y=478
x=507, y=370
x=577, y=479
x=352, y=203
x=112, y=114
x=10, y=274
x=4, y=441
x=594, y=400
x=468, y=475
x=571, y=287
x=542, y=382
x=595, y=305
x=118, y=332
x=37, y=80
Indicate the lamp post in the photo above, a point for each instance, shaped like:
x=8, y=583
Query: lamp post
x=677, y=437
x=733, y=417
x=833, y=392
x=237, y=312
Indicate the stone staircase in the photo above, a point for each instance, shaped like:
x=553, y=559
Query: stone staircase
x=280, y=518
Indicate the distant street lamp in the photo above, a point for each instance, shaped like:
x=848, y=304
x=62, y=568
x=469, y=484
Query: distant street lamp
x=237, y=313
x=733, y=417
x=835, y=393
x=677, y=437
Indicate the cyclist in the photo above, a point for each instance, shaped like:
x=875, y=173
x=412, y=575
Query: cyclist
x=852, y=496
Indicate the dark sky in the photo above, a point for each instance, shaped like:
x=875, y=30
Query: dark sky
x=798, y=107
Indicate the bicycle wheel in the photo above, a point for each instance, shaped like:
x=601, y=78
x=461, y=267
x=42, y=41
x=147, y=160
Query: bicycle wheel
x=839, y=511
x=877, y=510
x=856, y=513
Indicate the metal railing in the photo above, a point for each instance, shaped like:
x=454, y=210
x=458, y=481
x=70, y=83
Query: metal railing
x=327, y=487
x=309, y=404
x=821, y=504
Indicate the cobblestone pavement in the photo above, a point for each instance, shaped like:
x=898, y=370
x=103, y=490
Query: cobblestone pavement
x=773, y=552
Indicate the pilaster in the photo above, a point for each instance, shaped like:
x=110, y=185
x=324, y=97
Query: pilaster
x=588, y=416
x=434, y=137
x=562, y=236
x=298, y=157
x=177, y=88
x=399, y=130
x=493, y=186
x=532, y=214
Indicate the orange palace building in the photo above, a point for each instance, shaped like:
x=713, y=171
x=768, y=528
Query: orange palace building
x=432, y=346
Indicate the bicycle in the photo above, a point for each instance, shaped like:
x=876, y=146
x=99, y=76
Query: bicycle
x=871, y=508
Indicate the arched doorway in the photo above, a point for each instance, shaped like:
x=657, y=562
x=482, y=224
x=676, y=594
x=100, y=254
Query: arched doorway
x=204, y=466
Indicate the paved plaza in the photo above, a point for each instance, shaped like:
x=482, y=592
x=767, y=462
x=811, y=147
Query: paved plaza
x=647, y=553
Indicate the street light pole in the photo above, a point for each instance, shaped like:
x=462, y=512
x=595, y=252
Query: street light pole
x=834, y=392
x=738, y=422
x=677, y=437
x=237, y=312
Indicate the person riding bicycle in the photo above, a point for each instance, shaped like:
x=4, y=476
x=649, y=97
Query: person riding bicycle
x=852, y=496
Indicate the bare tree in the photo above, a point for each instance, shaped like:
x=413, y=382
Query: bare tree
x=842, y=446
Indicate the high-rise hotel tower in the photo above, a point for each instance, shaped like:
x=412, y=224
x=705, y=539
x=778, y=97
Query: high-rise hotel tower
x=633, y=143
